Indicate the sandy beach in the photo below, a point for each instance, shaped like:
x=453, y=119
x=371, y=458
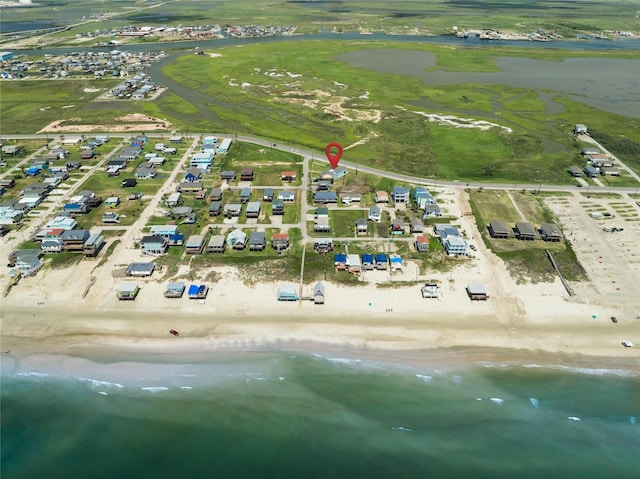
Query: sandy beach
x=47, y=315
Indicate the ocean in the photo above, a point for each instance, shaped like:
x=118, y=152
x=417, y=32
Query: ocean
x=298, y=415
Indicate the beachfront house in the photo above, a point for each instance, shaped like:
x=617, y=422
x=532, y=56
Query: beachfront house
x=353, y=263
x=174, y=290
x=430, y=290
x=194, y=245
x=340, y=261
x=498, y=229
x=197, y=291
x=525, y=231
x=93, y=245
x=288, y=293
x=216, y=244
x=257, y=241
x=318, y=293
x=477, y=292
x=550, y=232
x=381, y=261
x=127, y=291
x=279, y=241
x=395, y=262
x=140, y=269
x=368, y=263
x=237, y=239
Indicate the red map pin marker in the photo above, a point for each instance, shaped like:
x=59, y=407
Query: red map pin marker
x=333, y=159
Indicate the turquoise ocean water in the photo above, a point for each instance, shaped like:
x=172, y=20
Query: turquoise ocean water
x=291, y=415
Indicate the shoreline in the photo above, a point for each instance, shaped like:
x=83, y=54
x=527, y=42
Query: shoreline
x=80, y=342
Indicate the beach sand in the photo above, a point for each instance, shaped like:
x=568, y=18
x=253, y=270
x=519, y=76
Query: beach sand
x=366, y=321
x=57, y=312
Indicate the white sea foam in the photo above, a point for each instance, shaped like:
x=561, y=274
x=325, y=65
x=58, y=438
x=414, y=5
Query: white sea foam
x=534, y=401
x=402, y=428
x=186, y=387
x=103, y=393
x=155, y=389
x=35, y=374
x=280, y=378
x=256, y=379
x=456, y=379
x=589, y=371
x=633, y=420
x=424, y=377
x=95, y=383
x=573, y=418
x=497, y=400
x=343, y=360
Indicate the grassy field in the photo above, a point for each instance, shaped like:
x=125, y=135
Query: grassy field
x=249, y=94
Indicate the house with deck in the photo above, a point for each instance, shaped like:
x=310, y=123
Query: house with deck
x=237, y=239
x=550, y=232
x=498, y=229
x=257, y=241
x=280, y=241
x=253, y=209
x=216, y=244
x=525, y=231
x=154, y=245
x=194, y=244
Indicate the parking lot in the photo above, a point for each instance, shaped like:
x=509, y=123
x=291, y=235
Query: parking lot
x=604, y=232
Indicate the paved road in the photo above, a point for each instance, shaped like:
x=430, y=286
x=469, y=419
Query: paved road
x=319, y=156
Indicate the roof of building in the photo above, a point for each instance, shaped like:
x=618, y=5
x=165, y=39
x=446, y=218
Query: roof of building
x=499, y=227
x=127, y=287
x=142, y=267
x=525, y=227
x=257, y=237
x=550, y=229
x=216, y=240
x=476, y=288
x=195, y=241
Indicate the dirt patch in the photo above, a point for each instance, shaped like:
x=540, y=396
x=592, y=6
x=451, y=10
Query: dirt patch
x=134, y=121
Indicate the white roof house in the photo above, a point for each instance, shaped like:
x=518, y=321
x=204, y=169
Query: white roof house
x=237, y=237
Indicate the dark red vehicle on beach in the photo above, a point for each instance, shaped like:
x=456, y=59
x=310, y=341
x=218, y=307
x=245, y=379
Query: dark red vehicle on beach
x=174, y=332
